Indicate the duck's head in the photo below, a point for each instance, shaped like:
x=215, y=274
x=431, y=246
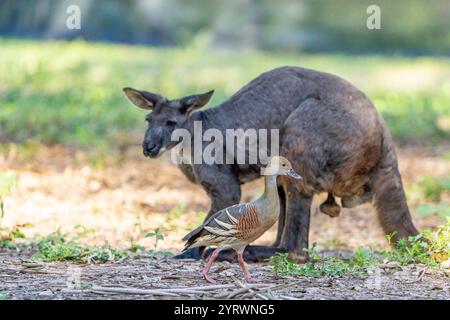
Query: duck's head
x=280, y=166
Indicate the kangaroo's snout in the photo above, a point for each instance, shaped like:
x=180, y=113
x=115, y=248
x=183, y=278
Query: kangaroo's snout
x=150, y=149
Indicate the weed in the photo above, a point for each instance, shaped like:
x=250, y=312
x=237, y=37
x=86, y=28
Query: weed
x=157, y=235
x=427, y=248
x=7, y=182
x=319, y=266
x=55, y=247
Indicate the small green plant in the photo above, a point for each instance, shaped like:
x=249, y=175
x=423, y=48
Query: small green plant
x=3, y=295
x=157, y=235
x=56, y=247
x=427, y=248
x=8, y=237
x=7, y=182
x=135, y=247
x=319, y=266
x=415, y=249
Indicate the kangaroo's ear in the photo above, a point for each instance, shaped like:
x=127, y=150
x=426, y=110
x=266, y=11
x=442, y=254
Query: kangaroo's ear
x=191, y=103
x=143, y=99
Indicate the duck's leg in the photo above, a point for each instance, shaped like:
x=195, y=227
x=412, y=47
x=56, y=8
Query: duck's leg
x=248, y=278
x=209, y=264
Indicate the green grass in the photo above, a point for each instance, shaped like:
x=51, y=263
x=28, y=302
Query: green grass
x=70, y=92
x=56, y=247
x=430, y=193
x=7, y=182
x=427, y=248
x=65, y=247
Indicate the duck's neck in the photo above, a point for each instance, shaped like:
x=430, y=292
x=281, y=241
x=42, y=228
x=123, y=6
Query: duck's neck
x=271, y=190
x=270, y=184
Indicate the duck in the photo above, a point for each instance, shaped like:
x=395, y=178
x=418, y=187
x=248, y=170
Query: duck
x=239, y=225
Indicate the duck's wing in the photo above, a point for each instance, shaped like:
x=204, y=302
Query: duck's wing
x=237, y=222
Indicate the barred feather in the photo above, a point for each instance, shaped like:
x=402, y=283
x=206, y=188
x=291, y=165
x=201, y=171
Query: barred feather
x=235, y=224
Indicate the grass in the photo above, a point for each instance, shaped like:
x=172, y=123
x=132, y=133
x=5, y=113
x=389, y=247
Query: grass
x=431, y=249
x=7, y=182
x=70, y=92
x=56, y=247
x=59, y=247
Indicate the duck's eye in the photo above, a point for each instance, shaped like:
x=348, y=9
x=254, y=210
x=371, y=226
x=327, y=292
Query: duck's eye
x=284, y=165
x=171, y=123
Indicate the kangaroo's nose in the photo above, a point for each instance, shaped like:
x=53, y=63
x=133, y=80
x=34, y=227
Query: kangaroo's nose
x=148, y=149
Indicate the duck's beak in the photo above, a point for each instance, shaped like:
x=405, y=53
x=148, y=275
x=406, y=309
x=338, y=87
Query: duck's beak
x=291, y=173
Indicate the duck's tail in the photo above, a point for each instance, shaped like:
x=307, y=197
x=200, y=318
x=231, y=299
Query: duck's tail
x=191, y=238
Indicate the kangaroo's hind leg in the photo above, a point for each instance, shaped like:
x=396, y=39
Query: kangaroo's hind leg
x=389, y=197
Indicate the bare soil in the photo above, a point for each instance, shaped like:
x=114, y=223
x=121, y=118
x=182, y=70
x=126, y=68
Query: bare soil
x=122, y=201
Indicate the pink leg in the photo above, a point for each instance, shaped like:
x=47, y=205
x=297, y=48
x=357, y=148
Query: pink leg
x=209, y=264
x=247, y=275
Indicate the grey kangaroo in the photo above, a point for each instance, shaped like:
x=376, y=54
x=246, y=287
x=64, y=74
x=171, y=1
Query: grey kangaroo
x=330, y=131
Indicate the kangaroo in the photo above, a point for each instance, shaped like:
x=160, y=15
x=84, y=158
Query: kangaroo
x=330, y=132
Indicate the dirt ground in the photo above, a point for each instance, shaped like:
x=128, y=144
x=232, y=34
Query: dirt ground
x=122, y=201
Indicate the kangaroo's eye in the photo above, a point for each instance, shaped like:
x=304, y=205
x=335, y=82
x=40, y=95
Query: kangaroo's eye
x=171, y=123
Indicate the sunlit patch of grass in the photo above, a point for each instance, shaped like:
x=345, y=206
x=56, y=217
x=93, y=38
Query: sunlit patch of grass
x=442, y=209
x=319, y=266
x=70, y=92
x=198, y=220
x=431, y=249
x=432, y=194
x=432, y=188
x=173, y=217
x=7, y=182
x=56, y=247
x=59, y=247
x=333, y=244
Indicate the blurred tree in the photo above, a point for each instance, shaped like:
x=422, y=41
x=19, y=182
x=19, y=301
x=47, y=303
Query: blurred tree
x=408, y=26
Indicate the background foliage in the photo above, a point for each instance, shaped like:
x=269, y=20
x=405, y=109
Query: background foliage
x=408, y=26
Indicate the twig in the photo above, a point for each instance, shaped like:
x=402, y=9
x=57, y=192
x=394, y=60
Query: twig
x=212, y=287
x=165, y=291
x=243, y=290
x=284, y=285
x=240, y=284
x=133, y=291
x=288, y=297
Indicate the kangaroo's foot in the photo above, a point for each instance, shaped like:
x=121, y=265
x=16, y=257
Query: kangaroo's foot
x=193, y=253
x=251, y=253
x=330, y=207
x=299, y=258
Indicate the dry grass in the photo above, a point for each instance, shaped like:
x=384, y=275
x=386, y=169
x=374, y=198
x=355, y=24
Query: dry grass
x=123, y=200
x=59, y=188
